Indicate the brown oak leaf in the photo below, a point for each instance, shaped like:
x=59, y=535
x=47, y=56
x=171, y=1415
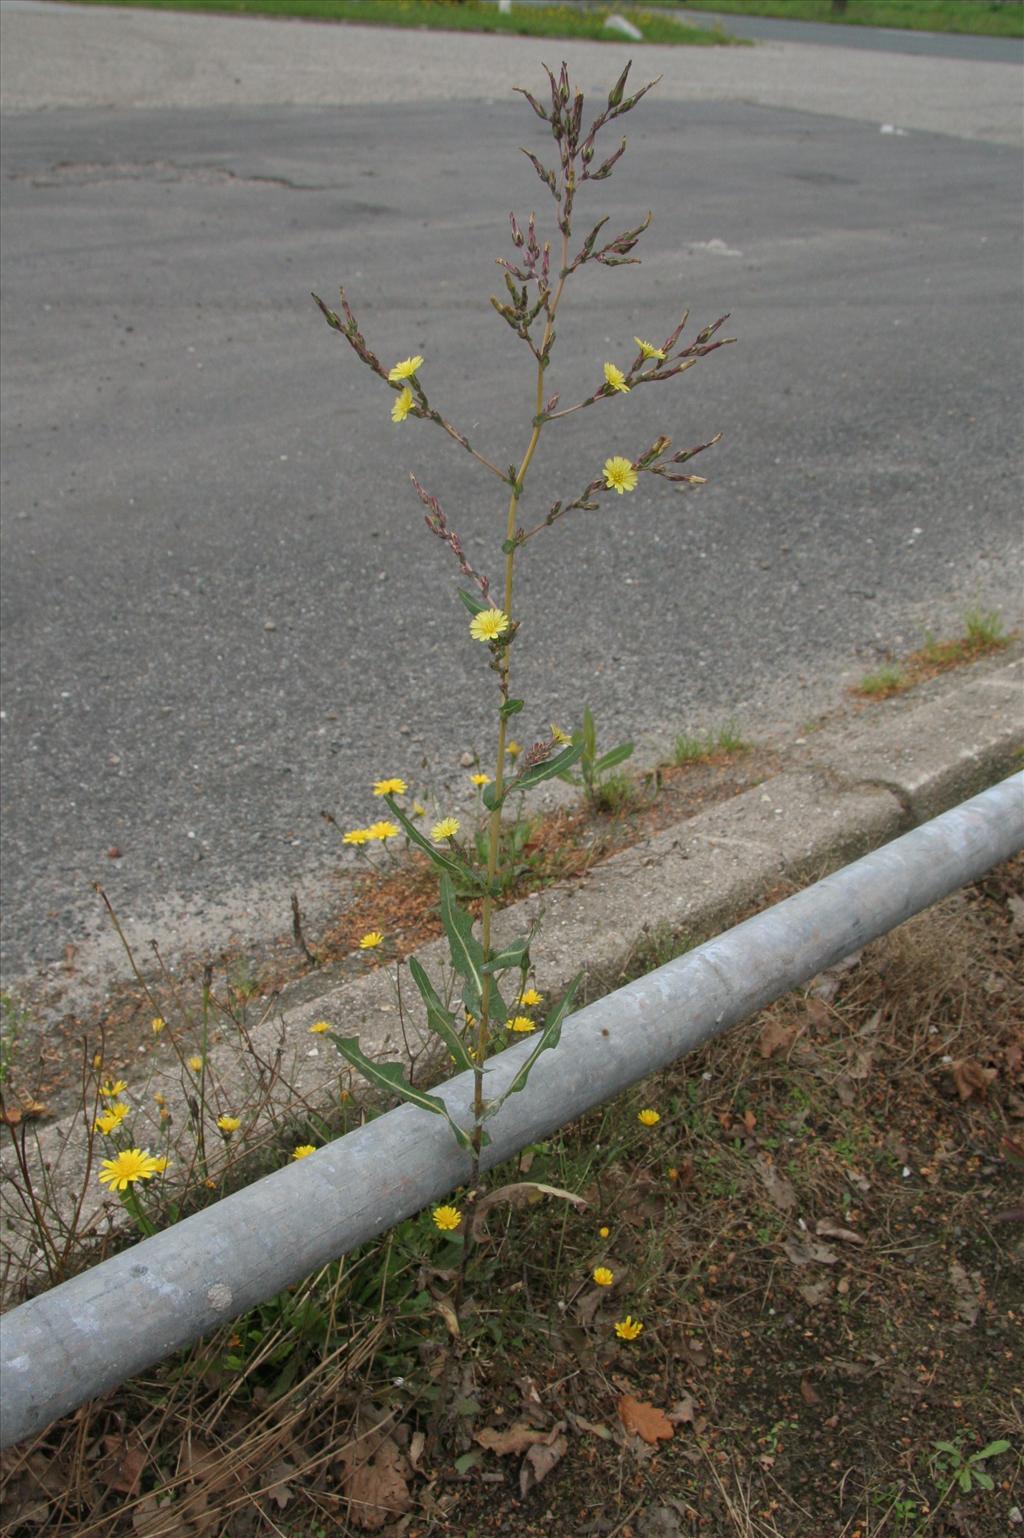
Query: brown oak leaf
x=646, y=1421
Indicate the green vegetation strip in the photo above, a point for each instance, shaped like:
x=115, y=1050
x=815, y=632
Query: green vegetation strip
x=986, y=18
x=450, y=16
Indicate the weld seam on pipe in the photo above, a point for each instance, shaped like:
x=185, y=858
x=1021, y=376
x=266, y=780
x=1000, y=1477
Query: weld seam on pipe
x=100, y=1328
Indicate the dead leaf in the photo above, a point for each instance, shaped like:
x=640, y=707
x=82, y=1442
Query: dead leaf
x=449, y=1316
x=593, y=1427
x=1016, y=907
x=521, y=1193
x=375, y=1480
x=659, y=1522
x=815, y=1293
x=646, y=1421
x=540, y=1460
x=127, y=1458
x=778, y=1188
x=971, y=1078
x=830, y=1230
x=802, y=1250
x=278, y=1476
x=808, y=1392
x=684, y=1411
x=514, y=1439
x=777, y=1036
x=818, y=1012
x=969, y=1290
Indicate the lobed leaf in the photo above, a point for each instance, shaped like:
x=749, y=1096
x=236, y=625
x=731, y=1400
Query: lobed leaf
x=448, y=864
x=440, y=1020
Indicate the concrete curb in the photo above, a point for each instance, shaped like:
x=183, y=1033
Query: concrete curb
x=844, y=789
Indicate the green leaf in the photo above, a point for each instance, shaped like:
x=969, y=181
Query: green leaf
x=549, y=768
x=511, y=708
x=439, y=1019
x=473, y=604
x=992, y=1450
x=549, y=1038
x=982, y=1480
x=490, y=797
x=589, y=734
x=466, y=950
x=510, y=956
x=964, y=1479
x=613, y=756
x=448, y=863
x=390, y=1078
x=508, y=546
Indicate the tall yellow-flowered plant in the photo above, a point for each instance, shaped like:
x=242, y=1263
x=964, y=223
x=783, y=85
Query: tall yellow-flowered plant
x=535, y=280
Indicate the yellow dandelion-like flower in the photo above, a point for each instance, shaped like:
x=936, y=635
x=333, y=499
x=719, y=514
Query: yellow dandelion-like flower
x=488, y=625
x=229, y=1124
x=404, y=402
x=157, y=1024
x=648, y=1118
x=560, y=737
x=111, y=1091
x=370, y=941
x=604, y=1232
x=531, y=998
x=118, y=1110
x=405, y=370
x=446, y=828
x=628, y=1328
x=160, y=1164
x=303, y=1151
x=647, y=350
x=603, y=1277
x=447, y=1218
x=319, y=1027
x=394, y=787
x=520, y=1023
x=619, y=474
x=480, y=779
x=513, y=748
x=127, y=1167
x=107, y=1124
x=383, y=830
x=418, y=809
x=616, y=378
x=195, y=1062
x=357, y=836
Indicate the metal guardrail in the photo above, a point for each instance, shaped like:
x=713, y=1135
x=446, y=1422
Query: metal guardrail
x=89, y=1334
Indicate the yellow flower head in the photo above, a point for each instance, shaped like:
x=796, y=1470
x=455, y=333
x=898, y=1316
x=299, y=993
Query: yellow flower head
x=521, y=1023
x=127, y=1167
x=157, y=1024
x=111, y=1091
x=403, y=404
x=513, y=748
x=648, y=1118
x=447, y=1218
x=647, y=350
x=160, y=1098
x=562, y=738
x=107, y=1123
x=319, y=1027
x=446, y=828
x=604, y=1232
x=370, y=941
x=357, y=836
x=619, y=474
x=229, y=1124
x=394, y=787
x=405, y=370
x=628, y=1328
x=480, y=779
x=488, y=625
x=531, y=998
x=616, y=378
x=603, y=1277
x=418, y=809
x=382, y=830
x=160, y=1164
x=195, y=1062
x=303, y=1151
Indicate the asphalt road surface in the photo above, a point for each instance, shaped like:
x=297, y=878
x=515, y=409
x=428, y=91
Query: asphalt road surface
x=222, y=612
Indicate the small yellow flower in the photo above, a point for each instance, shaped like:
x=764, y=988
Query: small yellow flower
x=403, y=404
x=160, y=1164
x=107, y=1124
x=447, y=1218
x=303, y=1151
x=111, y=1091
x=394, y=787
x=521, y=1023
x=628, y=1328
x=195, y=1062
x=604, y=1232
x=531, y=998
x=446, y=828
x=488, y=625
x=160, y=1098
x=418, y=809
x=513, y=748
x=647, y=350
x=157, y=1024
x=672, y=1174
x=648, y=1118
x=405, y=370
x=229, y=1124
x=619, y=474
x=603, y=1277
x=319, y=1027
x=560, y=737
x=370, y=941
x=480, y=779
x=616, y=378
x=127, y=1167
x=357, y=836
x=383, y=830
x=118, y=1111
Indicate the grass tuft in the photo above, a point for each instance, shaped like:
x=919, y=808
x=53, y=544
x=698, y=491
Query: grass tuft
x=723, y=743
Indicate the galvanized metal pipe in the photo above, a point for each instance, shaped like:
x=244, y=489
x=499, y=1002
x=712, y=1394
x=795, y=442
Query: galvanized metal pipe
x=90, y=1333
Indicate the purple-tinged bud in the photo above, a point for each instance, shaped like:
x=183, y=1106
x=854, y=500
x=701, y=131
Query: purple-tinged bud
x=550, y=404
x=517, y=234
